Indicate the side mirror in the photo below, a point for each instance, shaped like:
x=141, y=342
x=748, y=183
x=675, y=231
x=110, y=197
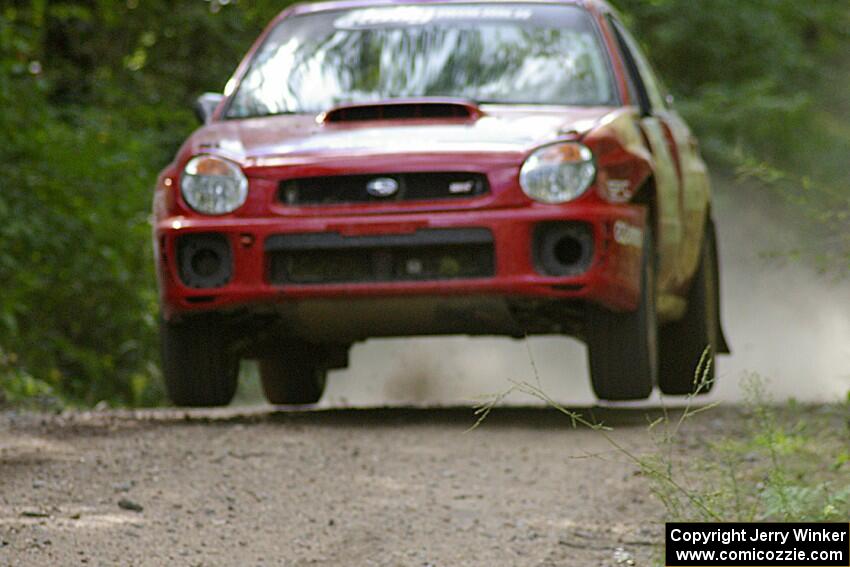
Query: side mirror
x=206, y=105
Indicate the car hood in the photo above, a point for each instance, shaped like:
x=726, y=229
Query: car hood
x=289, y=139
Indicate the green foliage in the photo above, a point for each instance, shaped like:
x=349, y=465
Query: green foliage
x=787, y=465
x=763, y=83
x=96, y=98
x=749, y=73
x=784, y=464
x=17, y=384
x=76, y=264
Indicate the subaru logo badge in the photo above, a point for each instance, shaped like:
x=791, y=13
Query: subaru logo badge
x=382, y=187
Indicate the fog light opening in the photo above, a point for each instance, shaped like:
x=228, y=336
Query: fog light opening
x=206, y=262
x=568, y=251
x=563, y=248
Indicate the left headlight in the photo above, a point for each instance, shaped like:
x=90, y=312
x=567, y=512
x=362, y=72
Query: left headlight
x=213, y=186
x=558, y=173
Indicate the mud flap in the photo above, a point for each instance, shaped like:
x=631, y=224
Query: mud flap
x=721, y=343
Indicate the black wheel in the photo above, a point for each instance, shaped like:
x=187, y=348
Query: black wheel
x=294, y=375
x=199, y=365
x=623, y=347
x=683, y=343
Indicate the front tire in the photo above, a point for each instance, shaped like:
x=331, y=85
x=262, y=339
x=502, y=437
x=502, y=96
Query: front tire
x=623, y=347
x=293, y=375
x=686, y=367
x=199, y=365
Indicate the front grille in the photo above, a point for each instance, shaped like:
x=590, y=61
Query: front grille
x=341, y=189
x=427, y=254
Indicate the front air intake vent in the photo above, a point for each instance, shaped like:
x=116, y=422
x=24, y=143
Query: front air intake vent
x=425, y=255
x=402, y=111
x=414, y=186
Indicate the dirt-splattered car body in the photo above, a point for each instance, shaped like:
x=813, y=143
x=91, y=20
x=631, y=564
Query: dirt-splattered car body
x=407, y=215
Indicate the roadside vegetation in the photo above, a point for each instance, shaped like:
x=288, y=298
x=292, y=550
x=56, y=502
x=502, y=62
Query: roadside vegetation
x=772, y=462
x=781, y=462
x=763, y=84
x=96, y=96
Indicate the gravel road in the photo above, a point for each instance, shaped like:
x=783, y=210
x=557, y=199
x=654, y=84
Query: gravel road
x=393, y=487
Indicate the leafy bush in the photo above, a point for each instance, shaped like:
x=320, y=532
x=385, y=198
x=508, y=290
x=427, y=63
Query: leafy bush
x=760, y=82
x=751, y=74
x=79, y=297
x=95, y=102
x=784, y=464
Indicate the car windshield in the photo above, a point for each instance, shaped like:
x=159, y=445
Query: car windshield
x=487, y=53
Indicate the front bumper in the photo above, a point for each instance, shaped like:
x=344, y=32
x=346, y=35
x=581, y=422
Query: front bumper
x=612, y=278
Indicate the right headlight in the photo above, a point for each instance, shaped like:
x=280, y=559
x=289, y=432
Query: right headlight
x=558, y=173
x=213, y=186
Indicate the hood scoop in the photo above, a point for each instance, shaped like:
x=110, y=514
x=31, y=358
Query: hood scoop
x=429, y=109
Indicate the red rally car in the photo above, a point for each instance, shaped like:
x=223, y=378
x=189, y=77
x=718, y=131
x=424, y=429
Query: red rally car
x=386, y=168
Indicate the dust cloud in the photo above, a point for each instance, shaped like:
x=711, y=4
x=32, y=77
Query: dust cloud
x=785, y=323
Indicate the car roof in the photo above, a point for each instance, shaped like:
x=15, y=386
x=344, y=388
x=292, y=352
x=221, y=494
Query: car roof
x=313, y=7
